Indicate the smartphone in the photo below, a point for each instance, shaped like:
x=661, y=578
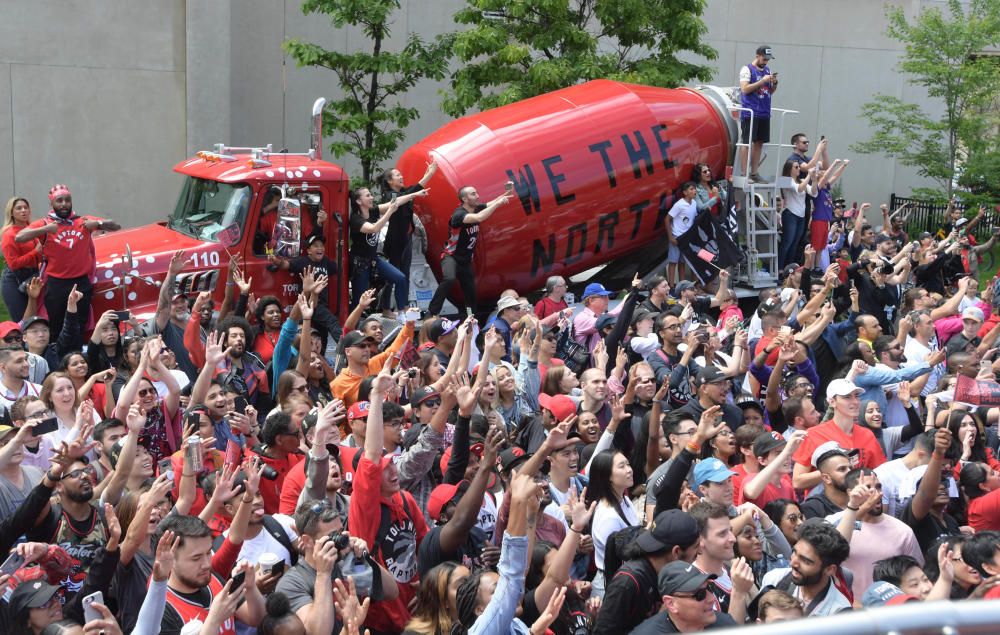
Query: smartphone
x=238, y=581
x=45, y=426
x=278, y=567
x=822, y=136
x=234, y=453
x=509, y=187
x=165, y=466
x=11, y=564
x=123, y=316
x=240, y=404
x=89, y=612
x=393, y=196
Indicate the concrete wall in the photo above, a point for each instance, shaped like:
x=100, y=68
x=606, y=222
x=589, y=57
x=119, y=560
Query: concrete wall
x=108, y=95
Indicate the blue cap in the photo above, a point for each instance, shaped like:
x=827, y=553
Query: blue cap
x=712, y=470
x=595, y=288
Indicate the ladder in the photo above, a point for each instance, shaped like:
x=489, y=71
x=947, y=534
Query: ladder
x=759, y=204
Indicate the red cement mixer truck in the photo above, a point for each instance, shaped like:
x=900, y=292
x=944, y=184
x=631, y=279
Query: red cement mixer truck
x=594, y=167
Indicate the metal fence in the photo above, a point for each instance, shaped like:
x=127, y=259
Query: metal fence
x=915, y=618
x=928, y=217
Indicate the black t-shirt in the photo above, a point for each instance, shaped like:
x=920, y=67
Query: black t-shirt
x=928, y=529
x=364, y=245
x=430, y=555
x=572, y=619
x=819, y=506
x=325, y=266
x=401, y=222
x=660, y=623
x=462, y=237
x=732, y=415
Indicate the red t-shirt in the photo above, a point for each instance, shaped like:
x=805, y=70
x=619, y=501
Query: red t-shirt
x=862, y=439
x=68, y=253
x=295, y=482
x=984, y=512
x=547, y=306
x=771, y=492
x=271, y=490
x=398, y=551
x=19, y=255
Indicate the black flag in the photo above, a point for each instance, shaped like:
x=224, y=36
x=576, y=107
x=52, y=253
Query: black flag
x=707, y=233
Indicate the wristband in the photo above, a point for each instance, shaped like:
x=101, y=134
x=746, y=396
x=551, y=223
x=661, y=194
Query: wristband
x=693, y=448
x=853, y=509
x=574, y=529
x=51, y=477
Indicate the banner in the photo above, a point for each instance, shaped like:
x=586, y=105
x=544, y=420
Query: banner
x=707, y=237
x=977, y=391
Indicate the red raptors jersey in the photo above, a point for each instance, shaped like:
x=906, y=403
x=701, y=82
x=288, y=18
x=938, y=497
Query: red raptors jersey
x=189, y=611
x=68, y=253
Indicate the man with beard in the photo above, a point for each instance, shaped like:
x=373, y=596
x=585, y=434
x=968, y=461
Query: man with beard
x=874, y=535
x=843, y=429
x=832, y=463
x=927, y=512
x=77, y=523
x=813, y=576
x=14, y=382
x=192, y=586
x=67, y=251
x=241, y=368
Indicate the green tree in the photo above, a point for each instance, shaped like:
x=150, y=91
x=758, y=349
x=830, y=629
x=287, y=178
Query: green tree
x=517, y=49
x=943, y=54
x=369, y=121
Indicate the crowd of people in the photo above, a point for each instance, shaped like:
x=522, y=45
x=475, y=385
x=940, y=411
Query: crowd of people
x=672, y=462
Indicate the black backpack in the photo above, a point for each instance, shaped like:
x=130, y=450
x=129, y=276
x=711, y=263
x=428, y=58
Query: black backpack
x=617, y=541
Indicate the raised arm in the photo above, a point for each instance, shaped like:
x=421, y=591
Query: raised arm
x=390, y=209
x=30, y=233
x=167, y=289
x=754, y=487
x=456, y=530
x=428, y=173
x=400, y=200
x=214, y=353
x=478, y=217
x=923, y=500
x=135, y=420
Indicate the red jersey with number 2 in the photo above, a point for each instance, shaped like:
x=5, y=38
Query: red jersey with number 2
x=68, y=253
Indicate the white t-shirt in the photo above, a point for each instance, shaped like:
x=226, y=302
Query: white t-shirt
x=683, y=214
x=254, y=548
x=607, y=521
x=891, y=475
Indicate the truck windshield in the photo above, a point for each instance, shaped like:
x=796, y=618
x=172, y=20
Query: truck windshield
x=205, y=207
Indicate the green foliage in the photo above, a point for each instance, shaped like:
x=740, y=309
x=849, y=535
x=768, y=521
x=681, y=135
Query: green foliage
x=942, y=55
x=523, y=48
x=369, y=122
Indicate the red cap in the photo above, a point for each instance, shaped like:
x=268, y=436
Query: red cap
x=358, y=410
x=441, y=496
x=8, y=327
x=561, y=406
x=475, y=448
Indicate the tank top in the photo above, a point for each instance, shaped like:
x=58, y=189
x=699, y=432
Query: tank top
x=189, y=611
x=759, y=100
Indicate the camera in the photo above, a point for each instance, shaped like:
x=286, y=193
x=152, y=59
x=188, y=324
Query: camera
x=312, y=200
x=269, y=473
x=341, y=541
x=411, y=373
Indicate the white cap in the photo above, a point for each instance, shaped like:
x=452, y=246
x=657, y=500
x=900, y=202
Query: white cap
x=507, y=302
x=972, y=313
x=827, y=448
x=841, y=388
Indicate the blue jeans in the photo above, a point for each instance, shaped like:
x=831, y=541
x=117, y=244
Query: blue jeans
x=792, y=229
x=361, y=277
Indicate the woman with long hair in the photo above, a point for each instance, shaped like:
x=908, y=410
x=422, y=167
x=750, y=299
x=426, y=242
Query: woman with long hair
x=610, y=480
x=981, y=486
x=95, y=387
x=891, y=438
x=22, y=260
x=436, y=610
x=787, y=516
x=59, y=395
x=967, y=433
x=722, y=446
x=707, y=193
x=106, y=348
x=269, y=319
x=367, y=220
x=793, y=216
x=560, y=380
x=163, y=420
x=966, y=577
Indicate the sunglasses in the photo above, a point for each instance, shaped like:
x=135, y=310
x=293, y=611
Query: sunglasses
x=431, y=403
x=144, y=392
x=14, y=337
x=302, y=388
x=697, y=596
x=88, y=471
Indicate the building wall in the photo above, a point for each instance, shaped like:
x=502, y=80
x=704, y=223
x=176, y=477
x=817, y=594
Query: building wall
x=107, y=95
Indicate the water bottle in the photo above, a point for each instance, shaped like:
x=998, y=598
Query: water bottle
x=360, y=571
x=194, y=453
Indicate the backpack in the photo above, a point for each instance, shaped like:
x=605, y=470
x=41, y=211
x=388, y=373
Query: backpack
x=277, y=532
x=617, y=541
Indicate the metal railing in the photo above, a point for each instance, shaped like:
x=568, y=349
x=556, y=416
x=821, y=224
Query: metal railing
x=928, y=217
x=914, y=618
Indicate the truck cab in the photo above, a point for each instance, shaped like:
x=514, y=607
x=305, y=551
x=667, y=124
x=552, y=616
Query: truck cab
x=226, y=208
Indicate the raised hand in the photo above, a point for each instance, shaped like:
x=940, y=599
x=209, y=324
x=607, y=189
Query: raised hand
x=579, y=513
x=551, y=612
x=709, y=425
x=306, y=308
x=177, y=262
x=742, y=575
x=467, y=396
x=214, y=351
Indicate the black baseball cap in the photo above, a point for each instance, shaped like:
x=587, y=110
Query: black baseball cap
x=672, y=527
x=767, y=441
x=682, y=577
x=709, y=375
x=354, y=338
x=766, y=51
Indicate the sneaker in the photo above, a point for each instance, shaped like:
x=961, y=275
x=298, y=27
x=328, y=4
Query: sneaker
x=756, y=178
